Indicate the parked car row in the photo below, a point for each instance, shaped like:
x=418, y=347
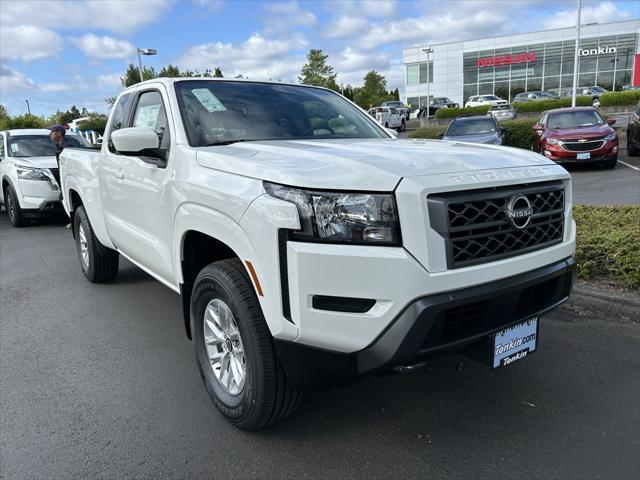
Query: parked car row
x=633, y=132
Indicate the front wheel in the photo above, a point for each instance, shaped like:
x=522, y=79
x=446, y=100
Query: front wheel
x=12, y=205
x=234, y=349
x=99, y=264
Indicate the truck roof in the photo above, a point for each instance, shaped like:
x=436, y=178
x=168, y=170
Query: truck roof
x=172, y=80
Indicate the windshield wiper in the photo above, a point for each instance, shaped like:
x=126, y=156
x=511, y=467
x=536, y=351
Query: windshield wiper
x=227, y=142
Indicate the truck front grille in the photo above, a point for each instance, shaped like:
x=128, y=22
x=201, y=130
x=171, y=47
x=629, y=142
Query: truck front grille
x=483, y=225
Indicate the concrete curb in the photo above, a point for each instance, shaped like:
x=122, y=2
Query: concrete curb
x=604, y=300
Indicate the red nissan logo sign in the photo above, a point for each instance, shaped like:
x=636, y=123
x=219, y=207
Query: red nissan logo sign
x=507, y=59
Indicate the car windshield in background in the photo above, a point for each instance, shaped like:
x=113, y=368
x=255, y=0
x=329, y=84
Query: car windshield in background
x=585, y=118
x=471, y=127
x=220, y=112
x=40, y=145
x=490, y=97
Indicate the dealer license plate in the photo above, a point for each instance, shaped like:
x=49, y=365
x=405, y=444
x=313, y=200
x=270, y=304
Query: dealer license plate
x=583, y=156
x=515, y=343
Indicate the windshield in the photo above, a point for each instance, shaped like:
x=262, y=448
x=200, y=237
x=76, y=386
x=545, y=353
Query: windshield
x=490, y=97
x=393, y=104
x=598, y=89
x=41, y=145
x=471, y=127
x=544, y=94
x=583, y=118
x=220, y=112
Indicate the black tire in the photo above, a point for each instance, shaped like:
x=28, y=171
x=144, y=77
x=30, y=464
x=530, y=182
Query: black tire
x=12, y=204
x=403, y=127
x=632, y=150
x=102, y=263
x=266, y=396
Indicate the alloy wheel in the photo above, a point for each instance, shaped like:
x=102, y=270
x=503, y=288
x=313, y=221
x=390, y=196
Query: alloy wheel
x=224, y=346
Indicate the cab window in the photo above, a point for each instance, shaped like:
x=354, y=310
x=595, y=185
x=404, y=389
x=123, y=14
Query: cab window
x=119, y=117
x=150, y=113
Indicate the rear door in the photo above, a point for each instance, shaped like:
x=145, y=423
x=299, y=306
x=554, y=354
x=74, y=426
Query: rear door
x=137, y=195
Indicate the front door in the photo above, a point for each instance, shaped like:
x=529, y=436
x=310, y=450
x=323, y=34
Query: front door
x=136, y=194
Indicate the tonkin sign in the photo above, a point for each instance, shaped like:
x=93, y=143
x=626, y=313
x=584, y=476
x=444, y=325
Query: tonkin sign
x=585, y=52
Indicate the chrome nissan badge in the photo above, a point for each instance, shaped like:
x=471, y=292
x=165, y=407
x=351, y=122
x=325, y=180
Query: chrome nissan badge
x=519, y=211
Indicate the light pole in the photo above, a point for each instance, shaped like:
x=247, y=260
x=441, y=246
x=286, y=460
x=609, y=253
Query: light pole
x=144, y=51
x=427, y=50
x=576, y=59
x=28, y=109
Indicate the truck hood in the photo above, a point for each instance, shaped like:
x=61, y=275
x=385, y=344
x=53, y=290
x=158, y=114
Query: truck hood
x=365, y=164
x=37, y=162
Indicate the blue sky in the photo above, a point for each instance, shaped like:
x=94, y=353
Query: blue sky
x=56, y=54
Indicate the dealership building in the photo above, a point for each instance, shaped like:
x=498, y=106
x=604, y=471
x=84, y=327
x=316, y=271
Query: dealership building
x=609, y=56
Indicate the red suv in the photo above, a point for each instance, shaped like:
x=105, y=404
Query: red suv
x=576, y=135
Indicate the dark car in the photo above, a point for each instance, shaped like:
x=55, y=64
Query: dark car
x=576, y=135
x=594, y=92
x=535, y=95
x=633, y=133
x=479, y=129
x=436, y=104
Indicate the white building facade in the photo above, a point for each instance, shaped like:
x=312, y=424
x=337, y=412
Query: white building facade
x=508, y=65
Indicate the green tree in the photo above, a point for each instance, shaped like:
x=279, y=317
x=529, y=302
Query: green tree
x=317, y=72
x=218, y=73
x=3, y=112
x=169, y=71
x=23, y=121
x=132, y=75
x=96, y=122
x=373, y=92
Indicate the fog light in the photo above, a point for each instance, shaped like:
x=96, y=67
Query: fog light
x=547, y=153
x=614, y=149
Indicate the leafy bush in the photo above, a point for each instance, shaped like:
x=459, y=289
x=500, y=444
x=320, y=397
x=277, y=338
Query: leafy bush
x=429, y=132
x=544, y=105
x=613, y=99
x=606, y=246
x=461, y=112
x=519, y=133
x=96, y=122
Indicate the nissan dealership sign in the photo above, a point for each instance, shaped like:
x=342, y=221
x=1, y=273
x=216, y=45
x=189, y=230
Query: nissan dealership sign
x=586, y=52
x=507, y=59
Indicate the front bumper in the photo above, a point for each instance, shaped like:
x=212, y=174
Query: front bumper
x=608, y=152
x=38, y=196
x=434, y=324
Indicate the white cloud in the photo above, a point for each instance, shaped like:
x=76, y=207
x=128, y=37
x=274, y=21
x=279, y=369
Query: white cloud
x=109, y=80
x=12, y=81
x=602, y=13
x=284, y=16
x=104, y=47
x=379, y=8
x=346, y=26
x=27, y=43
x=214, y=6
x=112, y=15
x=257, y=57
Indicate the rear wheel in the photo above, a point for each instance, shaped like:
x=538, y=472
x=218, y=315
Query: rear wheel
x=99, y=263
x=632, y=150
x=234, y=349
x=12, y=205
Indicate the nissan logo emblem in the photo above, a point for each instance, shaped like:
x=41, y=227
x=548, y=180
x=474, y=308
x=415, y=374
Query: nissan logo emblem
x=519, y=211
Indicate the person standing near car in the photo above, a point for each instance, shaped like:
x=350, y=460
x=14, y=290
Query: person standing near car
x=57, y=133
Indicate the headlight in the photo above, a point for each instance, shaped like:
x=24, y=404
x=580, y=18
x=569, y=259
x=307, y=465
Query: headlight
x=355, y=218
x=28, y=173
x=610, y=137
x=553, y=141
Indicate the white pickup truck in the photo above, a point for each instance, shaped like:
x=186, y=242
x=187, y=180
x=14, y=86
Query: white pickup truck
x=309, y=245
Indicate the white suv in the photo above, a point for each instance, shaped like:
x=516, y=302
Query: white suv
x=482, y=100
x=29, y=185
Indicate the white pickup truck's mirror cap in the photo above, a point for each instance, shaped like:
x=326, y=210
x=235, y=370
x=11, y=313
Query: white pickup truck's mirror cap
x=135, y=139
x=391, y=132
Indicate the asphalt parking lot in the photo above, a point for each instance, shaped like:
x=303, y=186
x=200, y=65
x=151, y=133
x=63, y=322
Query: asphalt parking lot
x=99, y=381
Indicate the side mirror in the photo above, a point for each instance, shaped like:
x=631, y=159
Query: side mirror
x=503, y=131
x=391, y=132
x=537, y=127
x=611, y=121
x=441, y=135
x=135, y=140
